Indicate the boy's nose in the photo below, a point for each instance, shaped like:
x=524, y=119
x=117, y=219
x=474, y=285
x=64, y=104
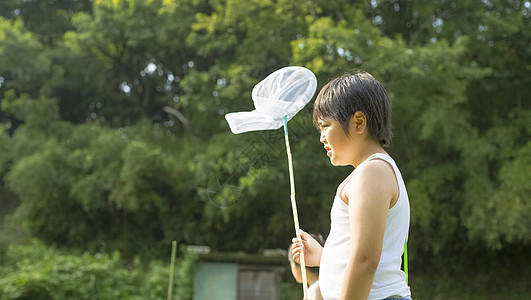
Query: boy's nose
x=322, y=138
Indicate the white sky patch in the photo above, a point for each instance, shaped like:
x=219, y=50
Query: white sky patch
x=124, y=87
x=438, y=24
x=150, y=68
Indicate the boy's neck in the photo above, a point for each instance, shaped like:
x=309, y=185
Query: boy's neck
x=370, y=149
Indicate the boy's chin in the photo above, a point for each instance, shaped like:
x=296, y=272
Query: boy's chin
x=337, y=163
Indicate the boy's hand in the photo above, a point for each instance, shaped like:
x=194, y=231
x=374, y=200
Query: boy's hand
x=312, y=250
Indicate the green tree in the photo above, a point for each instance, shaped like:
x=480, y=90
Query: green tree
x=139, y=57
x=92, y=185
x=49, y=20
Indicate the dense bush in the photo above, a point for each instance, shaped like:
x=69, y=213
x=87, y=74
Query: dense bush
x=38, y=272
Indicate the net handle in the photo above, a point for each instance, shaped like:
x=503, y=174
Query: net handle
x=294, y=209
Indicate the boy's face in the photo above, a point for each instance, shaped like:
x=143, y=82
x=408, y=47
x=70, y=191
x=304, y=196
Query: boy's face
x=336, y=143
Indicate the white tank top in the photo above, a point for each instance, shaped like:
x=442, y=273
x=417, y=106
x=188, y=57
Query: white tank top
x=389, y=279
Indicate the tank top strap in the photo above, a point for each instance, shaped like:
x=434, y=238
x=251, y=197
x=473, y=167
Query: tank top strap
x=382, y=156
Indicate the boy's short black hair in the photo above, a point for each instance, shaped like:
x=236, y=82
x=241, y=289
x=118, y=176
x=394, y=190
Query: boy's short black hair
x=343, y=96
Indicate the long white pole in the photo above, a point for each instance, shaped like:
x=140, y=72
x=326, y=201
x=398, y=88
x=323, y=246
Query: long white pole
x=294, y=209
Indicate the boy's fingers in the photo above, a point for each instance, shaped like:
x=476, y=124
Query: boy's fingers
x=296, y=247
x=296, y=252
x=296, y=257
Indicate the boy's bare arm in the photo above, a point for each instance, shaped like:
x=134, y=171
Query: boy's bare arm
x=370, y=194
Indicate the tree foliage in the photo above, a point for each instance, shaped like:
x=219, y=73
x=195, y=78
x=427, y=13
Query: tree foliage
x=114, y=135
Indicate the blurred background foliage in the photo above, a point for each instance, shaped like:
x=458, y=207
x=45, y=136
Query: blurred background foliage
x=113, y=138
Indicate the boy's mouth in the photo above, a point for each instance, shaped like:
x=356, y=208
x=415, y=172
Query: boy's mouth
x=328, y=151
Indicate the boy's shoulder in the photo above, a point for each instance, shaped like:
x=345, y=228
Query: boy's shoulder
x=375, y=175
x=374, y=167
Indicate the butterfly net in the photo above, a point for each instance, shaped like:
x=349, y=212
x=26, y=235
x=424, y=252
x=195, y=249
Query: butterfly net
x=283, y=93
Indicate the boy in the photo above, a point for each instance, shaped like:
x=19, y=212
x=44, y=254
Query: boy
x=362, y=255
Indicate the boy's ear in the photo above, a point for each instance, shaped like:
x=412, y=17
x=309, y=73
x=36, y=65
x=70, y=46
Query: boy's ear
x=359, y=122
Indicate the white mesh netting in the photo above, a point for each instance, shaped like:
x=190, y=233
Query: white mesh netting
x=283, y=93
